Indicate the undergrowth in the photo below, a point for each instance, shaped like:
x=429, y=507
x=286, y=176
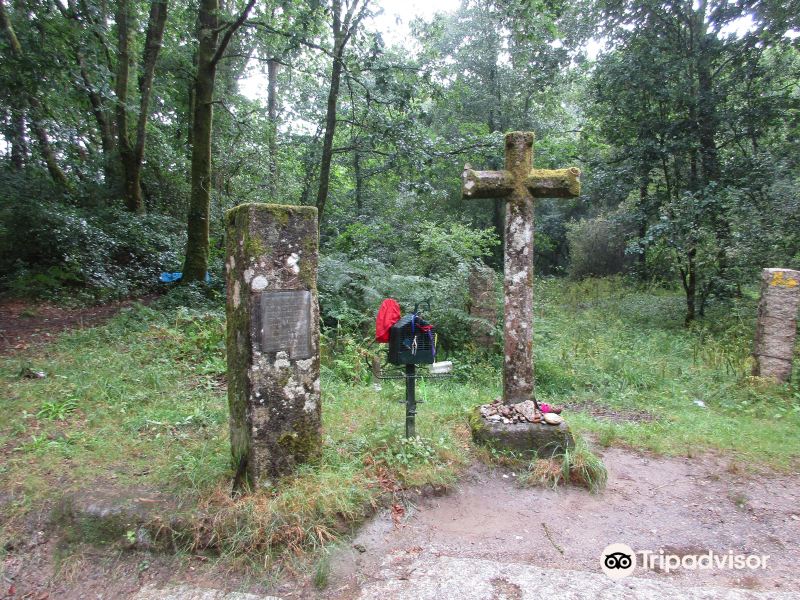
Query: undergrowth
x=140, y=402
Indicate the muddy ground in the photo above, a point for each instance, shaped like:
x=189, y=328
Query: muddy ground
x=683, y=506
x=24, y=324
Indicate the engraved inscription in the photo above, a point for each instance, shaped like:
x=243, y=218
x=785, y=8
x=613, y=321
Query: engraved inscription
x=285, y=323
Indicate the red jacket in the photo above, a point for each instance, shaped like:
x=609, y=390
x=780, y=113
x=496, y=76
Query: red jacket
x=388, y=315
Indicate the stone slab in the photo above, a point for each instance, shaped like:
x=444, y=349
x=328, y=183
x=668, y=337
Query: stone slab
x=187, y=592
x=286, y=323
x=532, y=439
x=137, y=518
x=483, y=579
x=272, y=340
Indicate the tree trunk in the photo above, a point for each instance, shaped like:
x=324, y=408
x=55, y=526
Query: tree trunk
x=272, y=115
x=49, y=155
x=131, y=190
x=689, y=281
x=103, y=119
x=16, y=135
x=196, y=263
x=644, y=218
x=706, y=98
x=359, y=189
x=37, y=110
x=132, y=154
x=152, y=48
x=209, y=52
x=8, y=30
x=343, y=28
x=330, y=124
x=104, y=124
x=309, y=162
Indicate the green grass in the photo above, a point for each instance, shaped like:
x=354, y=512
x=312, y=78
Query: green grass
x=141, y=402
x=603, y=343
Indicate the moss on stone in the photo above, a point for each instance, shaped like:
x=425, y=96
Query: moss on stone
x=554, y=183
x=253, y=247
x=281, y=212
x=474, y=419
x=303, y=443
x=284, y=378
x=308, y=274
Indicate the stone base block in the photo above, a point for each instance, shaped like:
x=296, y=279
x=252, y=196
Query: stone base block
x=133, y=518
x=530, y=439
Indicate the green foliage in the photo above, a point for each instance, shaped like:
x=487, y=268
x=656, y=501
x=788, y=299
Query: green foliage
x=409, y=452
x=442, y=250
x=693, y=153
x=51, y=251
x=57, y=410
x=596, y=247
x=433, y=265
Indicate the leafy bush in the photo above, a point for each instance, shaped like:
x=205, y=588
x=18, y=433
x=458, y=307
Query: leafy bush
x=50, y=250
x=596, y=247
x=434, y=267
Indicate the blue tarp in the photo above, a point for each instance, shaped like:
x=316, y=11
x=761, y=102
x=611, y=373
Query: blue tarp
x=170, y=277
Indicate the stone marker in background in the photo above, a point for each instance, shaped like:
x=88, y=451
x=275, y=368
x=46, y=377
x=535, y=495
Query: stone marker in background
x=483, y=305
x=777, y=323
x=272, y=339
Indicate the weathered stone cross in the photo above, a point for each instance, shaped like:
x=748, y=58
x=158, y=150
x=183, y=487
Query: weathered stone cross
x=519, y=183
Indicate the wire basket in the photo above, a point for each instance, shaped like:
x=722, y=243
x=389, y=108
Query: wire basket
x=412, y=341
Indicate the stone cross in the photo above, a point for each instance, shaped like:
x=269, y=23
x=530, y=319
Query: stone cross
x=272, y=340
x=519, y=184
x=776, y=328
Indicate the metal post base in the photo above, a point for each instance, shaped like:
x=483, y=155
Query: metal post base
x=411, y=400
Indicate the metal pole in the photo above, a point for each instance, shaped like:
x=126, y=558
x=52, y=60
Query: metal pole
x=411, y=400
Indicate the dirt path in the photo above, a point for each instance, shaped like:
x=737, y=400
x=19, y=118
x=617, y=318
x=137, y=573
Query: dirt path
x=23, y=324
x=486, y=541
x=681, y=506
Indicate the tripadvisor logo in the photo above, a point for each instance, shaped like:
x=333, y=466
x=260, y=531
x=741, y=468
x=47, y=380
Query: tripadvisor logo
x=619, y=560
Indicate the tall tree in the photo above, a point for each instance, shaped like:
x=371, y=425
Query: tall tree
x=210, y=50
x=132, y=151
x=664, y=95
x=346, y=18
x=29, y=102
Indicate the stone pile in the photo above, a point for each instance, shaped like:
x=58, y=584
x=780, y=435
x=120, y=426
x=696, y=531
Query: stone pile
x=522, y=412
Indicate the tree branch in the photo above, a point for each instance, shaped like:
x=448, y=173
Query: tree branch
x=231, y=30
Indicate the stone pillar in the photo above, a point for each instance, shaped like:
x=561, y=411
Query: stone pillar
x=518, y=274
x=483, y=305
x=272, y=339
x=777, y=323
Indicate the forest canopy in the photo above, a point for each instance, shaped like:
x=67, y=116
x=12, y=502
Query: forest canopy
x=126, y=135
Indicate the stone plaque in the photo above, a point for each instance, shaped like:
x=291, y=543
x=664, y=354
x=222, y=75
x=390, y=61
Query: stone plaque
x=285, y=323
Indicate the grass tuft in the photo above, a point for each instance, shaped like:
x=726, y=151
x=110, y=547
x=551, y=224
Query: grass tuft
x=578, y=466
